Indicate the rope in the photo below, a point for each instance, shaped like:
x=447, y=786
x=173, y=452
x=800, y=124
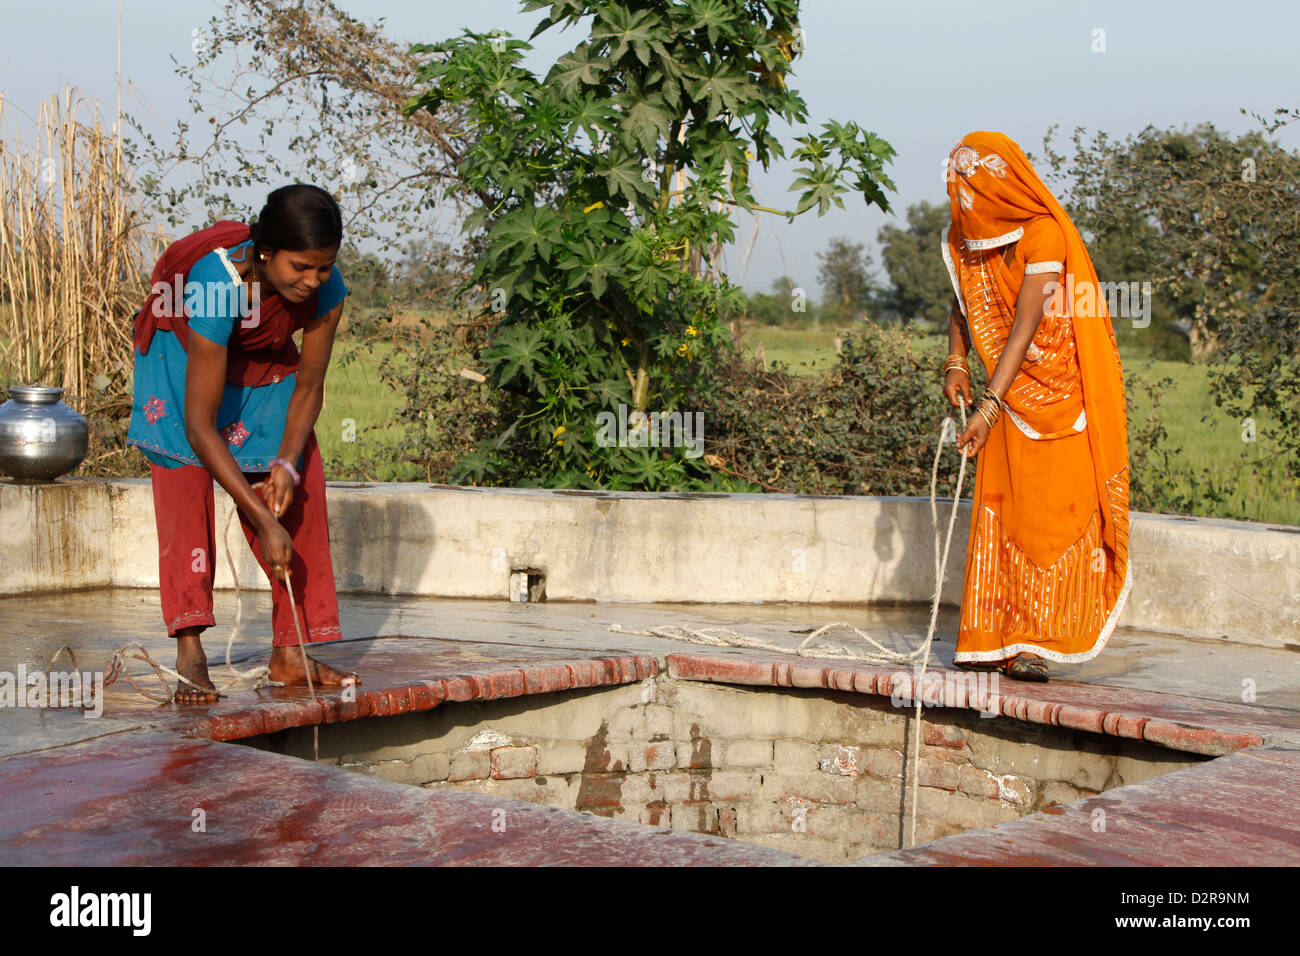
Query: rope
x=134, y=650
x=259, y=676
x=940, y=572
x=306, y=667
x=725, y=637
x=117, y=669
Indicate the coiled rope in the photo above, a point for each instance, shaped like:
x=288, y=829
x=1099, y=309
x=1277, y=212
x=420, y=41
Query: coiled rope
x=258, y=676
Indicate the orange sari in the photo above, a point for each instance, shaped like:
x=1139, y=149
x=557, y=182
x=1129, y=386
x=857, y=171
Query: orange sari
x=1047, y=568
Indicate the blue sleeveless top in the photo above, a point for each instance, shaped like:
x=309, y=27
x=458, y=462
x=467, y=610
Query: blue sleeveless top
x=251, y=418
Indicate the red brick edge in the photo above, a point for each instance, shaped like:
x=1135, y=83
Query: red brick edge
x=542, y=677
x=885, y=682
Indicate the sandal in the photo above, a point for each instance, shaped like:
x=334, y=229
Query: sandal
x=1027, y=667
x=978, y=666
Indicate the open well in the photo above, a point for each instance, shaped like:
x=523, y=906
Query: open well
x=689, y=757
x=815, y=773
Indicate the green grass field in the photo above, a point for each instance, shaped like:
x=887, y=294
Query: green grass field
x=357, y=406
x=805, y=351
x=1208, y=438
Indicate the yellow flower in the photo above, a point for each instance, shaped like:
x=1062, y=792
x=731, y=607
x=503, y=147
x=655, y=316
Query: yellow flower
x=692, y=331
x=559, y=430
x=683, y=349
x=627, y=341
x=596, y=205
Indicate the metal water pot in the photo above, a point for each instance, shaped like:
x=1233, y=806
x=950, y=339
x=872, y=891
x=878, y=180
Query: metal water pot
x=41, y=438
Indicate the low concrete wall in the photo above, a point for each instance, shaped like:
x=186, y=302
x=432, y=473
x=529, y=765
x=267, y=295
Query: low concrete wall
x=1207, y=577
x=57, y=536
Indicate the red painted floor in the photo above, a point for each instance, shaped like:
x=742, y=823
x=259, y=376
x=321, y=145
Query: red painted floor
x=124, y=789
x=131, y=800
x=399, y=675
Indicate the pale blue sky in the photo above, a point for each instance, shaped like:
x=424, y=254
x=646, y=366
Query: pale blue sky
x=919, y=74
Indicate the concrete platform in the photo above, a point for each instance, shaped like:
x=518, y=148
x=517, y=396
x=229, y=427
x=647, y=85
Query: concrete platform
x=97, y=622
x=123, y=789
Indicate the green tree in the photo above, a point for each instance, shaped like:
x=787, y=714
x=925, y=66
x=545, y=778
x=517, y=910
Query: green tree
x=919, y=284
x=606, y=191
x=427, y=274
x=367, y=278
x=764, y=308
x=845, y=277
x=1184, y=210
x=1210, y=221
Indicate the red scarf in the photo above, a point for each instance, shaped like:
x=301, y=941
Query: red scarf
x=255, y=356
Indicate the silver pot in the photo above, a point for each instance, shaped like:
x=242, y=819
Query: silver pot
x=41, y=438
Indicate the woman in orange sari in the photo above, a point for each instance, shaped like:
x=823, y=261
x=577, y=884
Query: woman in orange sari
x=1047, y=569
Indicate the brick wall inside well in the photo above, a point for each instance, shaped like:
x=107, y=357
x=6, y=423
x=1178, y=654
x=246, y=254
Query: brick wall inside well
x=817, y=773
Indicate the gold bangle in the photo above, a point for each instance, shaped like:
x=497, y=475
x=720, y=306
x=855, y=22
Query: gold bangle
x=980, y=411
x=955, y=362
x=987, y=407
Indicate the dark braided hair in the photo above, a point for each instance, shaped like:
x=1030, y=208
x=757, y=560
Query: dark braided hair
x=297, y=218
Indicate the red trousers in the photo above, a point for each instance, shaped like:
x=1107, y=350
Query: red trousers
x=183, y=504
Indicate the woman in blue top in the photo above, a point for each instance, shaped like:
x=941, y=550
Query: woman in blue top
x=221, y=392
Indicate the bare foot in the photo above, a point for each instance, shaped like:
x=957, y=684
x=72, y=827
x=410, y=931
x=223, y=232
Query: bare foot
x=287, y=668
x=192, y=664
